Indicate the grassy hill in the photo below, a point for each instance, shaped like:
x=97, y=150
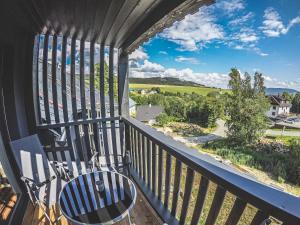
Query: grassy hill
x=175, y=89
x=276, y=91
x=164, y=81
x=171, y=84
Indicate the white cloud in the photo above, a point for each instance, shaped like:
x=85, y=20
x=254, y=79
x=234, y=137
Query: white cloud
x=146, y=69
x=163, y=52
x=241, y=20
x=194, y=31
x=273, y=82
x=149, y=69
x=231, y=6
x=138, y=54
x=191, y=60
x=273, y=25
x=248, y=37
x=263, y=54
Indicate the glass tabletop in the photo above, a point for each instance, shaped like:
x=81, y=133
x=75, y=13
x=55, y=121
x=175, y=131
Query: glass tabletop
x=100, y=197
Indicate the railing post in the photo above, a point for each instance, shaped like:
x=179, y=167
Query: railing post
x=123, y=84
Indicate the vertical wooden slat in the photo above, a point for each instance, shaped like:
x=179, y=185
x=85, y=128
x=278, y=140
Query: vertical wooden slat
x=259, y=218
x=60, y=155
x=45, y=79
x=35, y=71
x=216, y=206
x=54, y=80
x=74, y=101
x=144, y=160
x=167, y=180
x=139, y=151
x=102, y=101
x=176, y=188
x=153, y=167
x=87, y=146
x=123, y=84
x=112, y=102
x=133, y=147
x=189, y=181
x=160, y=173
x=236, y=212
x=136, y=150
x=149, y=159
x=200, y=200
x=92, y=96
x=64, y=94
x=128, y=141
x=120, y=136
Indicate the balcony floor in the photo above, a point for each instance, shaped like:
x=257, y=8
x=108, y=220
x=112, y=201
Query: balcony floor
x=7, y=202
x=142, y=214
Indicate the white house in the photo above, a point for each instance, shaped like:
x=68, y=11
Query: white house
x=279, y=107
x=132, y=107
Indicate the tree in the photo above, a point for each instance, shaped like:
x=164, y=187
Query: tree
x=176, y=107
x=157, y=89
x=246, y=108
x=296, y=103
x=205, y=112
x=106, y=79
x=287, y=96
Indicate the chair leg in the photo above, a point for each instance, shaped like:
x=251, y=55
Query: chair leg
x=48, y=216
x=129, y=220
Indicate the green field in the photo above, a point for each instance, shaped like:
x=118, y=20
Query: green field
x=175, y=89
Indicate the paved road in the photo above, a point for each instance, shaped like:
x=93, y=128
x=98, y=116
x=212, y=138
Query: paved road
x=219, y=133
x=285, y=133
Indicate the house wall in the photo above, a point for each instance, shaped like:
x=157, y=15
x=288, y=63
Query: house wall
x=273, y=111
x=284, y=110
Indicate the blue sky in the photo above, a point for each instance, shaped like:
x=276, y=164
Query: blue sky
x=251, y=35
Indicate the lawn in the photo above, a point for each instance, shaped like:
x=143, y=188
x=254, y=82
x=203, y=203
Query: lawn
x=175, y=89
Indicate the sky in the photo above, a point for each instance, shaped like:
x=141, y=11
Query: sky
x=251, y=36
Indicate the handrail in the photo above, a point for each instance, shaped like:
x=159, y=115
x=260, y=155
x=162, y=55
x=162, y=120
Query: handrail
x=77, y=122
x=276, y=203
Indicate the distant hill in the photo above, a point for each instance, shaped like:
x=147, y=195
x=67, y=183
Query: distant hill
x=276, y=91
x=164, y=81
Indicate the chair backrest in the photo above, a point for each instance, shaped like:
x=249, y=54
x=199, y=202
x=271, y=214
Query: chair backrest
x=31, y=158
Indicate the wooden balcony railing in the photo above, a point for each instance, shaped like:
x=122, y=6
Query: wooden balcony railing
x=186, y=187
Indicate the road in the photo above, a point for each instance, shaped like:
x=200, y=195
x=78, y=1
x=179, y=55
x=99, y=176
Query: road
x=219, y=133
x=285, y=133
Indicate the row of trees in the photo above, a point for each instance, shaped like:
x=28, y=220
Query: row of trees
x=244, y=107
x=296, y=103
x=193, y=108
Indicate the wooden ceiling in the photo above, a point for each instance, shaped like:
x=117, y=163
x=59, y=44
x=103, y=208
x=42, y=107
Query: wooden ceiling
x=122, y=23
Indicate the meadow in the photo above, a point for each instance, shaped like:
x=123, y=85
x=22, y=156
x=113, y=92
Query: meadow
x=175, y=88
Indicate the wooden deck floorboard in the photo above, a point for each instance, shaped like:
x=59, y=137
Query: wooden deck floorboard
x=142, y=214
x=8, y=200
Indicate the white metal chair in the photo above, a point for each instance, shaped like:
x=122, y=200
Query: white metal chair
x=43, y=179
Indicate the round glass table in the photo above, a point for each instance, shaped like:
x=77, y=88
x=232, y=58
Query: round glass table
x=99, y=197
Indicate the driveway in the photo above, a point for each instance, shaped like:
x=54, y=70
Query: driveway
x=284, y=133
x=219, y=133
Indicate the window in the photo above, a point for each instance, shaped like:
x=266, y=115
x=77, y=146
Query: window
x=274, y=107
x=273, y=113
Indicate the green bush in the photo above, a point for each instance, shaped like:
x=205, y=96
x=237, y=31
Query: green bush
x=283, y=165
x=163, y=119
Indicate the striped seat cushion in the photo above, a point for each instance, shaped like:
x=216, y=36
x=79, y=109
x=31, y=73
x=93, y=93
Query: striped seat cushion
x=97, y=198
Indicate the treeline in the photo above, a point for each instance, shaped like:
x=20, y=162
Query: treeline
x=106, y=79
x=192, y=108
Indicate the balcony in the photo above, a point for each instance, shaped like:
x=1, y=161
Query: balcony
x=51, y=85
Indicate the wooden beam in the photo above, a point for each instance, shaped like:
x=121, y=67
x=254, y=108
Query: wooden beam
x=123, y=84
